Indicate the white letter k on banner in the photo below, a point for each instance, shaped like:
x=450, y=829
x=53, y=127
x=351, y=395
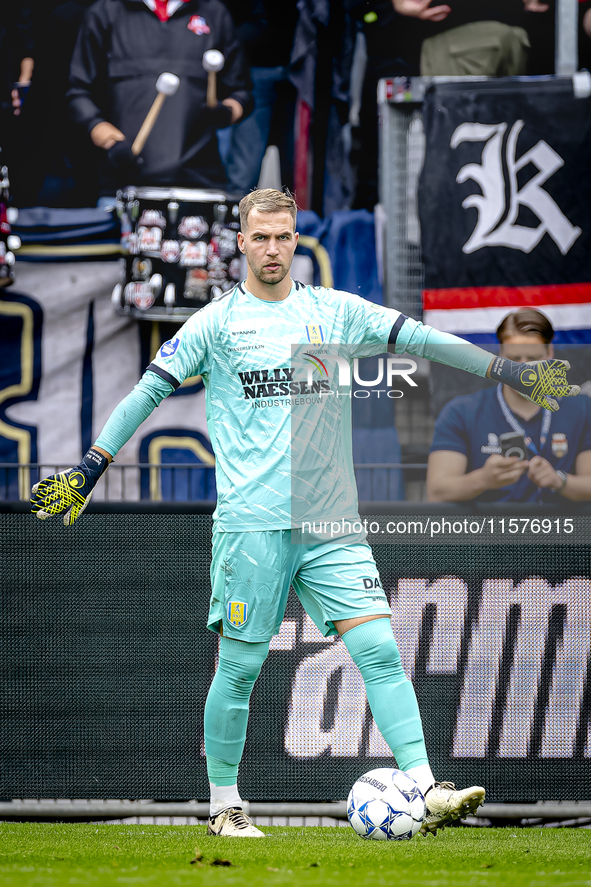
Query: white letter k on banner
x=496, y=220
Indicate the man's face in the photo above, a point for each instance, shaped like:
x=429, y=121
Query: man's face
x=525, y=348
x=269, y=243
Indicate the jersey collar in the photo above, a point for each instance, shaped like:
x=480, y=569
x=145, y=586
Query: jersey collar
x=243, y=288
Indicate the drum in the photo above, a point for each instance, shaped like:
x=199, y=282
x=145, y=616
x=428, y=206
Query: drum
x=181, y=250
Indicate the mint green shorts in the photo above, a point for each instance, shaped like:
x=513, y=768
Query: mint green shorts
x=251, y=574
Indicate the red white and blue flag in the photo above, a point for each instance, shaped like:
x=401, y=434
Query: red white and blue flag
x=505, y=206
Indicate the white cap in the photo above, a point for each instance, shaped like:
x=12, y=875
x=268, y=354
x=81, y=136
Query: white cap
x=167, y=84
x=213, y=60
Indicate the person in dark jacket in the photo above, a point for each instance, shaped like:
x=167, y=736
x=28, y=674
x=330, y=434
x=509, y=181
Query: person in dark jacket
x=123, y=46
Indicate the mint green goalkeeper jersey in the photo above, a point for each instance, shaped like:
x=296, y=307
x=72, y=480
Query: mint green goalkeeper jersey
x=278, y=399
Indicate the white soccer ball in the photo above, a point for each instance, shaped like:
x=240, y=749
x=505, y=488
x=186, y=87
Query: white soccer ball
x=386, y=805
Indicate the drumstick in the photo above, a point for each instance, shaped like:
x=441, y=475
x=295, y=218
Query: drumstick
x=167, y=84
x=213, y=61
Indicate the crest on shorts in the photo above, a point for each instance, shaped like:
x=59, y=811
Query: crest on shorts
x=237, y=613
x=315, y=333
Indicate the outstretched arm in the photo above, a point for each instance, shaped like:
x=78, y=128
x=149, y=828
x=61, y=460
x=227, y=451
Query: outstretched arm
x=540, y=382
x=134, y=409
x=69, y=492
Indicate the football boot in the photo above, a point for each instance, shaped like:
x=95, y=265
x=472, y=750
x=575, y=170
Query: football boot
x=446, y=803
x=233, y=823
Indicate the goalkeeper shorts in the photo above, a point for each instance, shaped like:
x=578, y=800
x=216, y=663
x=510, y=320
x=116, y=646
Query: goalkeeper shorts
x=251, y=574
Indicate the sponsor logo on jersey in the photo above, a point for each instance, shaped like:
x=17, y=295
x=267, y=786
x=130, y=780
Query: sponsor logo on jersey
x=316, y=363
x=278, y=382
x=369, y=583
x=237, y=613
x=315, y=334
x=168, y=349
x=559, y=445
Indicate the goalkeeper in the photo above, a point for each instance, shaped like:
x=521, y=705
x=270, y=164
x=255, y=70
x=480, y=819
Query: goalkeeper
x=282, y=442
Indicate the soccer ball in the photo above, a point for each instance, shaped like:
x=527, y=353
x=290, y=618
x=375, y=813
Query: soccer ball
x=386, y=805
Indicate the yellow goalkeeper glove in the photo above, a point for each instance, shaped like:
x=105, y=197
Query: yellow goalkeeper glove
x=68, y=492
x=540, y=381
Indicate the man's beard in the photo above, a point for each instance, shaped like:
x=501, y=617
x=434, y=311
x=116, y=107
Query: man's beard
x=259, y=273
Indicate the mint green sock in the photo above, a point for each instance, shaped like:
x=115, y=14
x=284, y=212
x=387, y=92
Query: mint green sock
x=390, y=694
x=226, y=709
x=220, y=772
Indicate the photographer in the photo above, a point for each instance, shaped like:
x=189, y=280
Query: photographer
x=466, y=460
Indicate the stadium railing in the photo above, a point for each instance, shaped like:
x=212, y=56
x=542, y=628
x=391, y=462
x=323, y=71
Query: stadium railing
x=186, y=482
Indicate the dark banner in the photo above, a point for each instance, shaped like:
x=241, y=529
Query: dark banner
x=505, y=195
x=106, y=663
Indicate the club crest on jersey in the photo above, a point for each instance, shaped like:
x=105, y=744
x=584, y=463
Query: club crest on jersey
x=559, y=445
x=237, y=613
x=168, y=349
x=315, y=334
x=198, y=25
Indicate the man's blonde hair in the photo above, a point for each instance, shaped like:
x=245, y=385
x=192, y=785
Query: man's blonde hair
x=267, y=200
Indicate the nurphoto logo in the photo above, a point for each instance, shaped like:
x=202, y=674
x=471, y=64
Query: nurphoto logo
x=388, y=370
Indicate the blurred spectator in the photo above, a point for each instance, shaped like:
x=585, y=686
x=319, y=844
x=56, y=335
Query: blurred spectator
x=122, y=48
x=465, y=460
x=585, y=34
x=393, y=46
x=541, y=31
x=266, y=31
x=16, y=64
x=467, y=38
x=55, y=166
x=16, y=51
x=405, y=38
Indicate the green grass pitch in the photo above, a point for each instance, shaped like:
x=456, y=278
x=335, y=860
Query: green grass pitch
x=53, y=855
